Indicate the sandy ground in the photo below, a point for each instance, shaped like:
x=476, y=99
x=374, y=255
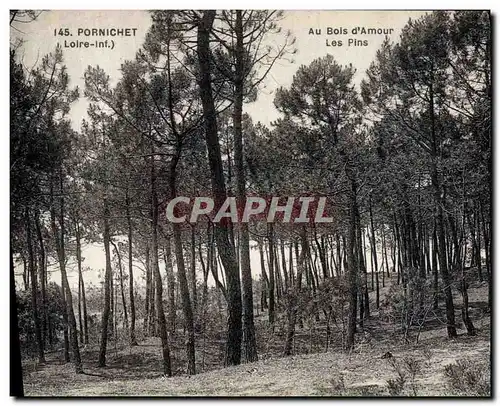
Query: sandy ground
x=134, y=372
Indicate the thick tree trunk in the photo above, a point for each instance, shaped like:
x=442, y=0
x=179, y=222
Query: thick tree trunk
x=224, y=245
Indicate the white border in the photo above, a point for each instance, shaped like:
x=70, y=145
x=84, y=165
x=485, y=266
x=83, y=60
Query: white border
x=185, y=4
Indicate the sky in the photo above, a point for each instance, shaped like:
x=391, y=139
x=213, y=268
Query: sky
x=315, y=32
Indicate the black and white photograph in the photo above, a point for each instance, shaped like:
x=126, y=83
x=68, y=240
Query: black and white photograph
x=240, y=203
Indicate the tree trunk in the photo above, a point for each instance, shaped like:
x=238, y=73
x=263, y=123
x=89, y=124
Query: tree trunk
x=147, y=299
x=43, y=277
x=82, y=302
x=352, y=263
x=224, y=245
x=186, y=301
x=34, y=289
x=439, y=202
x=374, y=254
x=107, y=287
x=167, y=257
x=270, y=228
x=122, y=289
x=61, y=253
x=133, y=340
x=294, y=295
x=160, y=315
x=194, y=292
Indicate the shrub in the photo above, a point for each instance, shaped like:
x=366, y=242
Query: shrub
x=396, y=386
x=406, y=370
x=468, y=378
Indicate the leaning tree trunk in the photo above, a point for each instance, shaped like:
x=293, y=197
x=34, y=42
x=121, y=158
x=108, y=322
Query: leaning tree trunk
x=224, y=244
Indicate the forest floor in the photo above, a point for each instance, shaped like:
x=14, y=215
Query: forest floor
x=134, y=371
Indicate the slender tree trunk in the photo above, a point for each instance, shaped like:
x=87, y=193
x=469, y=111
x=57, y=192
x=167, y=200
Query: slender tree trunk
x=352, y=266
x=80, y=320
x=160, y=314
x=67, y=358
x=339, y=254
x=82, y=303
x=439, y=202
x=170, y=284
x=122, y=289
x=294, y=295
x=133, y=340
x=384, y=244
x=181, y=273
x=61, y=253
x=363, y=271
x=34, y=289
x=186, y=301
x=270, y=228
x=374, y=255
x=265, y=278
x=147, y=299
x=43, y=277
x=194, y=293
x=283, y=265
x=471, y=330
x=487, y=247
x=107, y=289
x=435, y=280
x=25, y=272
